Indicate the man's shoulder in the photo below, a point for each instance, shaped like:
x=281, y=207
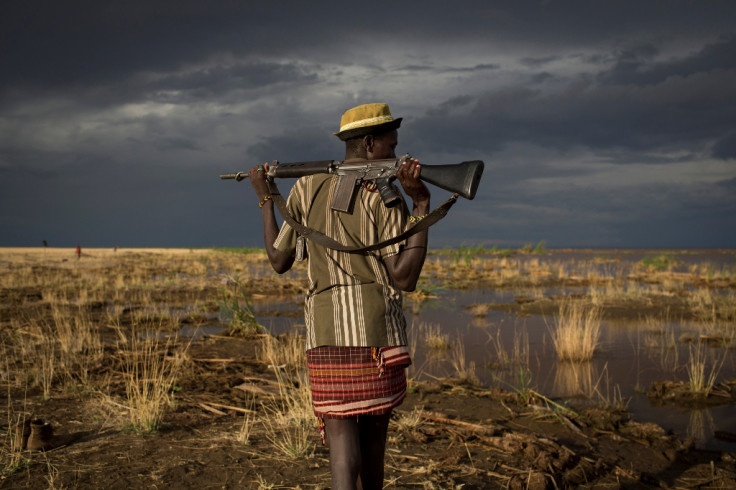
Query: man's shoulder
x=313, y=180
x=309, y=184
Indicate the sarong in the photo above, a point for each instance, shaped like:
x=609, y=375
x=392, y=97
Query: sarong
x=349, y=381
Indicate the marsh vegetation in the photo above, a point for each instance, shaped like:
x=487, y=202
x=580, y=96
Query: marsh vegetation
x=529, y=366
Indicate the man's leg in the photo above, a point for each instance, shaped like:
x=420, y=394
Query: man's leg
x=343, y=438
x=373, y=430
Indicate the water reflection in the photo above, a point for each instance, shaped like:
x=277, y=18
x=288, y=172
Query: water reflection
x=701, y=426
x=575, y=379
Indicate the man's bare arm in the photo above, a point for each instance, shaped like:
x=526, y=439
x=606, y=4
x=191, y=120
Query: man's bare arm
x=280, y=261
x=406, y=266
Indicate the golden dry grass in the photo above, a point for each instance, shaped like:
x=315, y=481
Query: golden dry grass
x=103, y=329
x=58, y=307
x=434, y=340
x=576, y=331
x=702, y=369
x=289, y=423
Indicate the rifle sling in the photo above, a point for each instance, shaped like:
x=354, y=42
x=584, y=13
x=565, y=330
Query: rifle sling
x=437, y=214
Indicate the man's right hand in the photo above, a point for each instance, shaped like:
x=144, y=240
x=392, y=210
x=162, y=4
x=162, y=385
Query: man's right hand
x=257, y=176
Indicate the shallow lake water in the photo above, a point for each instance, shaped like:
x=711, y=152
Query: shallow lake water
x=517, y=352
x=627, y=362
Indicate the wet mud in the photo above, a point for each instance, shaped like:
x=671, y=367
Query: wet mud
x=447, y=434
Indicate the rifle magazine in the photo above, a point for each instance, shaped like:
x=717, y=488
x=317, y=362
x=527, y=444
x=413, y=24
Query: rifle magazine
x=344, y=197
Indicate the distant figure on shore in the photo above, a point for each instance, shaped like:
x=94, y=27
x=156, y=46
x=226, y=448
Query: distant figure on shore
x=79, y=252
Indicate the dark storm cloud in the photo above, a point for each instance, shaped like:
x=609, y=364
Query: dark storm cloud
x=636, y=66
x=684, y=109
x=158, y=97
x=447, y=106
x=168, y=143
x=298, y=144
x=725, y=148
x=449, y=69
x=89, y=42
x=538, y=62
x=541, y=78
x=217, y=81
x=640, y=215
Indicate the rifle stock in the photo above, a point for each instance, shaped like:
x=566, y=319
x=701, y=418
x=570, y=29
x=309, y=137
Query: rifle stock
x=461, y=178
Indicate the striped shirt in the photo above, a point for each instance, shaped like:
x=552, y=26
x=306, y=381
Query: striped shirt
x=351, y=299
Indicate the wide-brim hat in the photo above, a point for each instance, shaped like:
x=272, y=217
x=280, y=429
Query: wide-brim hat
x=366, y=119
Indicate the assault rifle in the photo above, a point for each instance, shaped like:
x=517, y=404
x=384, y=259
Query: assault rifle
x=461, y=178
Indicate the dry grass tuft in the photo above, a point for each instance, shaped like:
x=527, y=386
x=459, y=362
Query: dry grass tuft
x=480, y=309
x=408, y=422
x=245, y=431
x=701, y=378
x=518, y=355
x=151, y=368
x=464, y=370
x=12, y=457
x=289, y=422
x=576, y=331
x=437, y=342
x=287, y=352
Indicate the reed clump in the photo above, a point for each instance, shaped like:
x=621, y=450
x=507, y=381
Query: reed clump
x=715, y=316
x=436, y=342
x=464, y=369
x=517, y=355
x=576, y=331
x=659, y=336
x=702, y=372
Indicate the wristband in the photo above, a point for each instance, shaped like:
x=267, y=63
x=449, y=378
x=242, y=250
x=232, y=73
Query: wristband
x=417, y=219
x=265, y=200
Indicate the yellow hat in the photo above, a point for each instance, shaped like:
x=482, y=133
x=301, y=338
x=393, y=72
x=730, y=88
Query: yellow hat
x=366, y=119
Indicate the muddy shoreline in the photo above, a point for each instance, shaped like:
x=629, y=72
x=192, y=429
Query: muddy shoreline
x=446, y=433
x=218, y=427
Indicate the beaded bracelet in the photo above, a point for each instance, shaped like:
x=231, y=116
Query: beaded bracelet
x=417, y=219
x=265, y=200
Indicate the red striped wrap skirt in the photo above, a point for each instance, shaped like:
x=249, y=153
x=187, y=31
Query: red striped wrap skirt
x=349, y=381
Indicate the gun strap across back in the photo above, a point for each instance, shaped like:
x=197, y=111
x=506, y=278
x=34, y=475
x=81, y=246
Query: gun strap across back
x=311, y=234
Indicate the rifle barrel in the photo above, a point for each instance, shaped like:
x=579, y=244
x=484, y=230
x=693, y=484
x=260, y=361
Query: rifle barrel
x=237, y=176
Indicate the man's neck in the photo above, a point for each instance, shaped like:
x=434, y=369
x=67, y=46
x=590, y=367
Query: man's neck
x=354, y=155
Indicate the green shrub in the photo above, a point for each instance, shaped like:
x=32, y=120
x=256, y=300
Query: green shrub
x=659, y=262
x=237, y=308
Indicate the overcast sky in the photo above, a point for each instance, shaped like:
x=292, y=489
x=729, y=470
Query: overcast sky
x=601, y=123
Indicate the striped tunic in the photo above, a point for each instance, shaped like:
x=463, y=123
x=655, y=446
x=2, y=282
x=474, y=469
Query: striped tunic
x=351, y=299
